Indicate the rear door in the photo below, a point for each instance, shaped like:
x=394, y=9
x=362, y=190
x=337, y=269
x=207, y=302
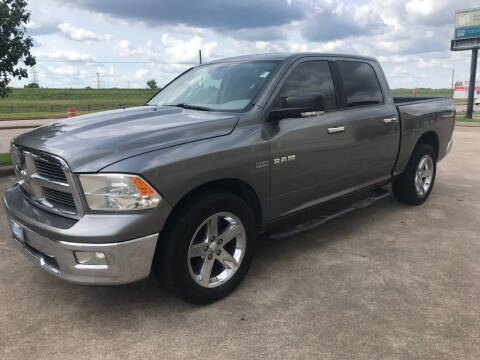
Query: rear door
x=367, y=107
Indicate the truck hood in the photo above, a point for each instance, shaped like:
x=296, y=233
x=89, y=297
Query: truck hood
x=90, y=142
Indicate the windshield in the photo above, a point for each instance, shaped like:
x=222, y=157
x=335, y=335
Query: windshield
x=222, y=86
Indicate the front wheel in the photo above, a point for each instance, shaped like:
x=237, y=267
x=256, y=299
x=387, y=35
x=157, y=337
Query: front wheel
x=415, y=184
x=208, y=247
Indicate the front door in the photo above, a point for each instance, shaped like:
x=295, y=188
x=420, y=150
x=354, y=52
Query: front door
x=310, y=153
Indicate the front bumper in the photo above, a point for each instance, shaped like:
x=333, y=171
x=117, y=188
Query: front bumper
x=49, y=241
x=127, y=261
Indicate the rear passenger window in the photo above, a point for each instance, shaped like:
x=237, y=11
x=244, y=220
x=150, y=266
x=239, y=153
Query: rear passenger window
x=360, y=84
x=309, y=77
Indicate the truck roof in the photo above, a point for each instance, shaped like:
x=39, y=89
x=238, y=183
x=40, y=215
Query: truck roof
x=285, y=56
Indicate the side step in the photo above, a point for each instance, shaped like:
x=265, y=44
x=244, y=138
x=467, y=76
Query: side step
x=369, y=199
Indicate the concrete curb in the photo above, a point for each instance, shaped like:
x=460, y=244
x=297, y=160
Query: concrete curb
x=29, y=119
x=18, y=127
x=467, y=124
x=6, y=170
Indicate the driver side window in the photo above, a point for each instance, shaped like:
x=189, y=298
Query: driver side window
x=309, y=77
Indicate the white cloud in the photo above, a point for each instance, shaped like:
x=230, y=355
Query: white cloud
x=79, y=34
x=420, y=7
x=261, y=45
x=71, y=55
x=400, y=70
x=141, y=73
x=64, y=70
x=181, y=51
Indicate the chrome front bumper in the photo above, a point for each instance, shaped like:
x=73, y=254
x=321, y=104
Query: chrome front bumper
x=127, y=261
x=128, y=241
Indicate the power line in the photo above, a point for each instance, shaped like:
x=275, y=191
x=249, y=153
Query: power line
x=114, y=62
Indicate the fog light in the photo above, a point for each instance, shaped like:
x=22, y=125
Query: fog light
x=90, y=258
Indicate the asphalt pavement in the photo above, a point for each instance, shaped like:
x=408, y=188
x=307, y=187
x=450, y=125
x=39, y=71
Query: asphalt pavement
x=386, y=282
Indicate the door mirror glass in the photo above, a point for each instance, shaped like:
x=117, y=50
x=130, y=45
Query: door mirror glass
x=312, y=101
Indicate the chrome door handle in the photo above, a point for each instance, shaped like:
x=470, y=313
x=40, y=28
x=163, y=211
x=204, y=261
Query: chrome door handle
x=390, y=120
x=334, y=130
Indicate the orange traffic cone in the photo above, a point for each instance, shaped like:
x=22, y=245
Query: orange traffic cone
x=71, y=112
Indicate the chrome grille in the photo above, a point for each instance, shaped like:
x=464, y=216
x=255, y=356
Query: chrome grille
x=47, y=182
x=50, y=169
x=59, y=198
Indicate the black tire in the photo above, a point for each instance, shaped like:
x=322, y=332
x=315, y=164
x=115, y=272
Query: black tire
x=404, y=187
x=172, y=259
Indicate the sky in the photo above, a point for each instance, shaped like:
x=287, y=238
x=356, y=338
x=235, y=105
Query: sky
x=129, y=42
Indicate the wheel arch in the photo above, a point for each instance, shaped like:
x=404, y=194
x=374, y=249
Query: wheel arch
x=429, y=138
x=232, y=185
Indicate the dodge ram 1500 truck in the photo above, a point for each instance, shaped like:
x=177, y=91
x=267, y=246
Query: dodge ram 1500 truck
x=225, y=151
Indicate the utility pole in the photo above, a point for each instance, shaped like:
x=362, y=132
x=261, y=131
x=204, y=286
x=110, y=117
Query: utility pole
x=453, y=76
x=471, y=84
x=98, y=79
x=35, y=74
x=200, y=55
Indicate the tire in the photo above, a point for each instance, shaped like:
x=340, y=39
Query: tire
x=407, y=188
x=190, y=248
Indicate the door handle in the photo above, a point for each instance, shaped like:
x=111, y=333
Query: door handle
x=334, y=130
x=390, y=120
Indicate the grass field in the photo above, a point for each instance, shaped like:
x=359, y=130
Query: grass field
x=44, y=103
x=462, y=118
x=5, y=159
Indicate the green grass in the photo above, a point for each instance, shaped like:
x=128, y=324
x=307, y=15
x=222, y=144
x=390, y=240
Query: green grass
x=462, y=118
x=35, y=103
x=422, y=92
x=5, y=159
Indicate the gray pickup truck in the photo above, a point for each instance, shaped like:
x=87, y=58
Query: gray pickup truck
x=273, y=144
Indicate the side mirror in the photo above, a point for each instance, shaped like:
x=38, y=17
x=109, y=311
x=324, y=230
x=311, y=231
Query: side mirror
x=294, y=106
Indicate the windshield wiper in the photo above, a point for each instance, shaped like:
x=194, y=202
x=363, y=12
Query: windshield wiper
x=193, y=107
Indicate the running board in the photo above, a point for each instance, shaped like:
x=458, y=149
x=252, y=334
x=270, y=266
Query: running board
x=373, y=197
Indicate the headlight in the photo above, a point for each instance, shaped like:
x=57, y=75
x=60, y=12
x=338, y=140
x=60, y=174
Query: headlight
x=118, y=192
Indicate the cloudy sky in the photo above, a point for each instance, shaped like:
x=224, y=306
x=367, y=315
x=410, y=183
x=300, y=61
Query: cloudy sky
x=129, y=42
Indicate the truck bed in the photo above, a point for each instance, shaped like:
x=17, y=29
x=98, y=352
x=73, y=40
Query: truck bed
x=419, y=115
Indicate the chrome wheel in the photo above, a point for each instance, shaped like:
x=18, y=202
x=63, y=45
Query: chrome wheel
x=424, y=175
x=216, y=249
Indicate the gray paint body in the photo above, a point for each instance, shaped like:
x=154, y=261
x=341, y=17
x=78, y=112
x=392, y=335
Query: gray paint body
x=178, y=150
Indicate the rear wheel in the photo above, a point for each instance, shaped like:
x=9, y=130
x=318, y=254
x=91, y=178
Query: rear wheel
x=208, y=247
x=414, y=186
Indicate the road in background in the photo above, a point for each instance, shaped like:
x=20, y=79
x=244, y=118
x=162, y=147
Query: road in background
x=387, y=282
x=11, y=128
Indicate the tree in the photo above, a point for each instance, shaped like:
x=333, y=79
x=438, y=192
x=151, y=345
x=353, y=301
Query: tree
x=15, y=44
x=152, y=84
x=31, y=85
